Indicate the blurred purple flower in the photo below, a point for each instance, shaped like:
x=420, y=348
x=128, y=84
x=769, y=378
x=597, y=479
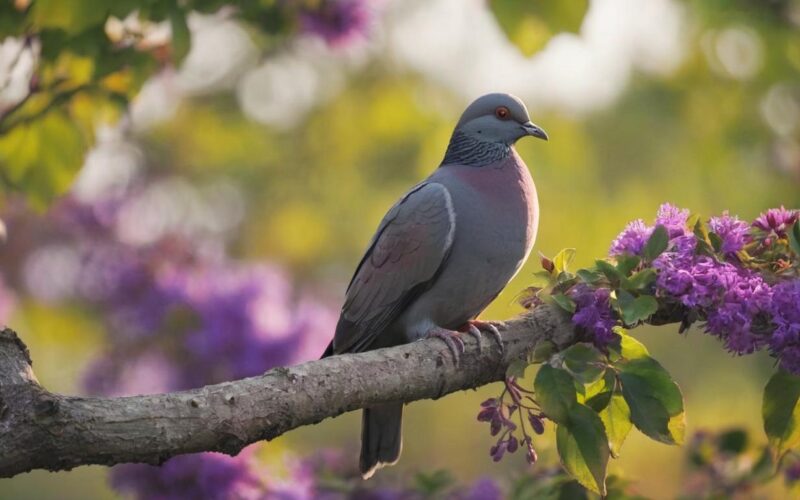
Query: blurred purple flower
x=673, y=219
x=776, y=221
x=338, y=22
x=593, y=313
x=791, y=473
x=483, y=489
x=147, y=373
x=202, y=475
x=632, y=239
x=731, y=230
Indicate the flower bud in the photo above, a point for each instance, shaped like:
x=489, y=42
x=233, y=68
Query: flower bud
x=513, y=444
x=536, y=423
x=531, y=455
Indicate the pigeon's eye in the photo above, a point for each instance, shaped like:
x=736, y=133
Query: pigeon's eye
x=502, y=113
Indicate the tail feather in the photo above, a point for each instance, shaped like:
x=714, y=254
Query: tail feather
x=381, y=437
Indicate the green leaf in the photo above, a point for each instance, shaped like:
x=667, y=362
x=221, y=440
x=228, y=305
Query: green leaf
x=40, y=158
x=598, y=394
x=656, y=244
x=627, y=263
x=642, y=279
x=781, y=412
x=630, y=348
x=616, y=417
x=181, y=37
x=588, y=276
x=585, y=363
x=517, y=368
x=562, y=260
x=433, y=483
x=72, y=17
x=636, y=309
x=564, y=302
x=733, y=442
x=716, y=241
x=530, y=24
x=543, y=351
x=583, y=448
x=655, y=400
x=794, y=238
x=555, y=392
x=610, y=271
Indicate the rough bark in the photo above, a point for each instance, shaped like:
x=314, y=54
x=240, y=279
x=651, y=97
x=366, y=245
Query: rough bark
x=43, y=430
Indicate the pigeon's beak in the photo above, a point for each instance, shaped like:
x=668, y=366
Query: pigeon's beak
x=534, y=130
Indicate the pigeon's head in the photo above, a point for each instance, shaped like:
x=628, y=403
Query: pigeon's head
x=499, y=118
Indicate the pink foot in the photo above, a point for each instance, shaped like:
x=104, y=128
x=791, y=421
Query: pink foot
x=451, y=339
x=475, y=327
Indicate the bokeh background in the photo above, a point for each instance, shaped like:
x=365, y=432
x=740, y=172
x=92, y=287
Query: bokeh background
x=207, y=230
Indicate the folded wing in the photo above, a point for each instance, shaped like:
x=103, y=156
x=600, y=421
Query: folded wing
x=406, y=254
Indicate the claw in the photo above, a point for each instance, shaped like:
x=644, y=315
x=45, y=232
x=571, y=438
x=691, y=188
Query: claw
x=452, y=340
x=475, y=332
x=491, y=327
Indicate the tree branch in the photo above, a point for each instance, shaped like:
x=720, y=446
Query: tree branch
x=42, y=430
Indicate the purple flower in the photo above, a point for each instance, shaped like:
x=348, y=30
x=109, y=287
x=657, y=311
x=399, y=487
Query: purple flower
x=776, y=221
x=734, y=300
x=483, y=489
x=731, y=230
x=338, y=22
x=632, y=239
x=673, y=219
x=785, y=313
x=792, y=473
x=201, y=475
x=593, y=313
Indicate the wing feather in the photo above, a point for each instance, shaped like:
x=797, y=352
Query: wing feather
x=405, y=256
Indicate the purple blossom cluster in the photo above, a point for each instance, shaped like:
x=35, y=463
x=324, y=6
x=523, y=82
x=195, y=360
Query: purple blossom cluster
x=205, y=475
x=594, y=313
x=338, y=22
x=179, y=316
x=775, y=222
x=500, y=414
x=737, y=280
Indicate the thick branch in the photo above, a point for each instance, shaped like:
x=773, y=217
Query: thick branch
x=42, y=430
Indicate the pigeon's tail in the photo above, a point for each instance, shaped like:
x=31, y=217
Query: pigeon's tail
x=381, y=438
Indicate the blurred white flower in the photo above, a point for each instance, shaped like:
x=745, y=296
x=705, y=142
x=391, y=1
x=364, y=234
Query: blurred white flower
x=18, y=59
x=735, y=52
x=573, y=73
x=781, y=109
x=220, y=52
x=110, y=167
x=51, y=272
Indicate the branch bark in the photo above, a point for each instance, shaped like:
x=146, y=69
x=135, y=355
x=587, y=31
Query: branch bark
x=43, y=430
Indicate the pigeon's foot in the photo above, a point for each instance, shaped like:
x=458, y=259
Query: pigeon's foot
x=475, y=327
x=451, y=338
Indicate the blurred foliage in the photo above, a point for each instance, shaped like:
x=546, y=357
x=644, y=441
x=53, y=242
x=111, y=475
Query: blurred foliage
x=92, y=57
x=531, y=24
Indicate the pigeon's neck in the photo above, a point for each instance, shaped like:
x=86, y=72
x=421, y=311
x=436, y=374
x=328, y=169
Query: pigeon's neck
x=466, y=150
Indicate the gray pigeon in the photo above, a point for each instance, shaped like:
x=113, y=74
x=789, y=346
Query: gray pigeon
x=442, y=254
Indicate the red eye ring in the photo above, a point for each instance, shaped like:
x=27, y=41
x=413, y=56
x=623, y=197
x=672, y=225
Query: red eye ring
x=502, y=112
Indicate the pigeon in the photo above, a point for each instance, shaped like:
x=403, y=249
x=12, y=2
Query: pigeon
x=442, y=253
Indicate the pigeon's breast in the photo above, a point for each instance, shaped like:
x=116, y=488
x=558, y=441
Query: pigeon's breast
x=496, y=218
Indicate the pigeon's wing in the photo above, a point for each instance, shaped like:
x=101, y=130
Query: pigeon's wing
x=406, y=254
